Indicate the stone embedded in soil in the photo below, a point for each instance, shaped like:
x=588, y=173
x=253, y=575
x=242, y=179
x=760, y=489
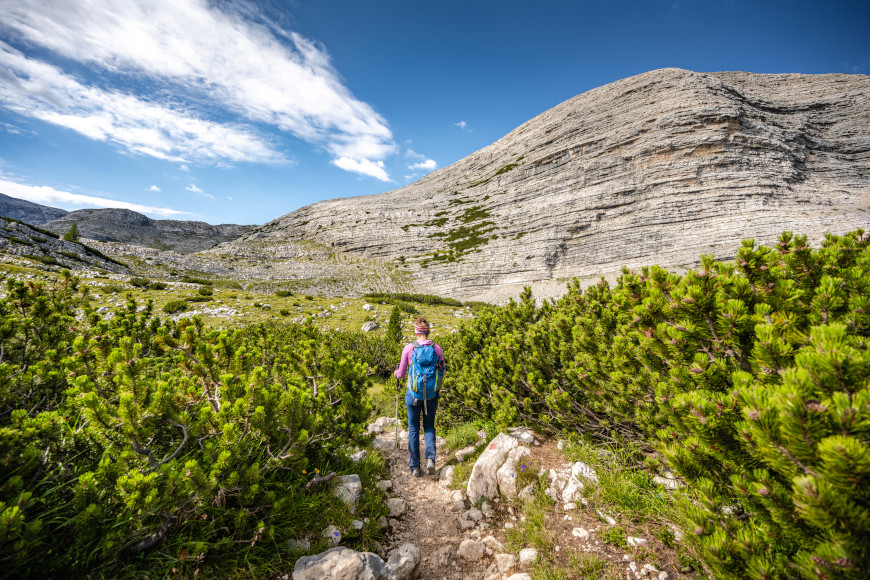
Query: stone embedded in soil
x=505, y=562
x=464, y=452
x=528, y=556
x=446, y=475
x=442, y=557
x=581, y=533
x=385, y=485
x=492, y=543
x=570, y=506
x=520, y=576
x=473, y=514
x=397, y=507
x=404, y=561
x=471, y=550
x=332, y=535
x=631, y=541
x=349, y=490
x=359, y=456
x=487, y=510
x=457, y=506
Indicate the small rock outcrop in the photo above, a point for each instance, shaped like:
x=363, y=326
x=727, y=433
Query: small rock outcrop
x=483, y=482
x=342, y=563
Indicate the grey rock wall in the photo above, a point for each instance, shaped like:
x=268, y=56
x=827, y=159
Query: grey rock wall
x=657, y=168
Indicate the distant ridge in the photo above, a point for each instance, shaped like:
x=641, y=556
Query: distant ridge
x=130, y=227
x=658, y=168
x=27, y=211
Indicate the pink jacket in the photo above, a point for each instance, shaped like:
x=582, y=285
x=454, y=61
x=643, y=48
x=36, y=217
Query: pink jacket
x=405, y=360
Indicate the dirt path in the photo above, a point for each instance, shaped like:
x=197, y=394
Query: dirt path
x=429, y=522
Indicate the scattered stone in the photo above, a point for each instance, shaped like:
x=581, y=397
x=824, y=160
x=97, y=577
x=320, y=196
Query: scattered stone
x=488, y=511
x=464, y=523
x=339, y=563
x=606, y=517
x=397, y=507
x=570, y=506
x=332, y=535
x=368, y=307
x=357, y=525
x=471, y=550
x=359, y=456
x=678, y=533
x=457, y=495
x=581, y=533
x=528, y=493
x=442, y=557
x=384, y=443
x=579, y=472
x=493, y=544
x=349, y=490
x=666, y=482
x=520, y=576
x=374, y=429
x=403, y=561
x=663, y=575
x=483, y=482
x=523, y=435
x=296, y=546
x=464, y=452
x=457, y=506
x=631, y=541
x=505, y=562
x=648, y=570
x=528, y=556
x=385, y=485
x=382, y=522
x=446, y=475
x=440, y=441
x=394, y=524
x=369, y=326
x=507, y=473
x=473, y=514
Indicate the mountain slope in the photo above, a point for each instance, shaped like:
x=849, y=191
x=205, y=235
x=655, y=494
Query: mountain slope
x=27, y=211
x=656, y=168
x=129, y=227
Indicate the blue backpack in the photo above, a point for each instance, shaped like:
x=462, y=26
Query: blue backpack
x=426, y=374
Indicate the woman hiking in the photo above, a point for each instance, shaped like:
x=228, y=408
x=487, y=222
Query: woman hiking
x=423, y=361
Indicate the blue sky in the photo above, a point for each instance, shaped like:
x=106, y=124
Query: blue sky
x=239, y=112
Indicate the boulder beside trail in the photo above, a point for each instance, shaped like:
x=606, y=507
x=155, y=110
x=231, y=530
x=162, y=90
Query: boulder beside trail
x=349, y=490
x=507, y=473
x=483, y=482
x=345, y=564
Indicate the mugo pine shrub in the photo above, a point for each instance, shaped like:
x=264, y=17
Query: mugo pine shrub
x=750, y=378
x=141, y=444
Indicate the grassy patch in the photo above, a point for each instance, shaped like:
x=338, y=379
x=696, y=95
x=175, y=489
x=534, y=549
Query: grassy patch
x=531, y=529
x=613, y=535
x=461, y=436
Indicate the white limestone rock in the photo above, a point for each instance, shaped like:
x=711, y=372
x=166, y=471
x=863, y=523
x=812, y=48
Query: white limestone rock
x=528, y=556
x=507, y=473
x=471, y=550
x=483, y=482
x=349, y=490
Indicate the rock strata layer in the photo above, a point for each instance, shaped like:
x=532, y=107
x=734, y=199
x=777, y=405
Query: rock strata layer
x=657, y=168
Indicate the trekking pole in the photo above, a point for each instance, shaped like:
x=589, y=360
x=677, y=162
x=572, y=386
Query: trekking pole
x=397, y=411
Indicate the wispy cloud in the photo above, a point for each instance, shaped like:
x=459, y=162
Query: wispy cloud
x=463, y=125
x=427, y=165
x=364, y=167
x=37, y=89
x=203, y=57
x=193, y=188
x=154, y=188
x=48, y=195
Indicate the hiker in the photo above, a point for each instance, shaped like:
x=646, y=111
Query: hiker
x=423, y=360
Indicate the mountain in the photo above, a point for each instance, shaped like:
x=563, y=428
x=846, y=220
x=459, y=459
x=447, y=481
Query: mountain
x=657, y=168
x=27, y=211
x=129, y=227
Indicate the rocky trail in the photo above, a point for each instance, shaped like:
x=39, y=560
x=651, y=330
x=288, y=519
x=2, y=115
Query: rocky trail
x=481, y=532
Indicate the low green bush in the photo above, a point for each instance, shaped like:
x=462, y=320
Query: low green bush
x=192, y=280
x=157, y=286
x=205, y=291
x=175, y=306
x=139, y=282
x=283, y=293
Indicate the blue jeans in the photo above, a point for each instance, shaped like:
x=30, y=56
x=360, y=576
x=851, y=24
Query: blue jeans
x=414, y=413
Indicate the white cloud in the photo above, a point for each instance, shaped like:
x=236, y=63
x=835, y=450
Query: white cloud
x=223, y=60
x=427, y=165
x=36, y=89
x=364, y=167
x=49, y=195
x=461, y=124
x=193, y=188
x=154, y=188
x=184, y=168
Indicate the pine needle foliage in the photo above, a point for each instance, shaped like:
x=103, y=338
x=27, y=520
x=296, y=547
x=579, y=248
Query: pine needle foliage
x=137, y=445
x=749, y=378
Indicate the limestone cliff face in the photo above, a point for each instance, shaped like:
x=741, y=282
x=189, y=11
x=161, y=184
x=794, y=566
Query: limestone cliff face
x=656, y=168
x=130, y=227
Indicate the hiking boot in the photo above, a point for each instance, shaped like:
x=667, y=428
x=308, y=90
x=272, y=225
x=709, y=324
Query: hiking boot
x=430, y=467
x=415, y=472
